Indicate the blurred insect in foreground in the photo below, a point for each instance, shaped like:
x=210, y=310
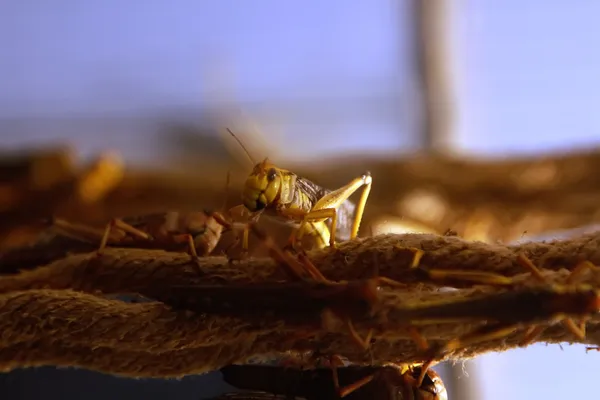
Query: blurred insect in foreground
x=285, y=196
x=348, y=382
x=199, y=232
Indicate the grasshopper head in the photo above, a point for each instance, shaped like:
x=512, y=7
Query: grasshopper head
x=432, y=387
x=262, y=186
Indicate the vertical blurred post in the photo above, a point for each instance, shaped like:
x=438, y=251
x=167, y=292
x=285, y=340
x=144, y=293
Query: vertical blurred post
x=433, y=74
x=435, y=131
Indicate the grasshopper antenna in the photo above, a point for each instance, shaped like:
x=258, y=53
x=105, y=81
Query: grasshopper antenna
x=242, y=145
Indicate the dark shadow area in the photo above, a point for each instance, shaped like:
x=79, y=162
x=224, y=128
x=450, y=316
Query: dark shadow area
x=50, y=383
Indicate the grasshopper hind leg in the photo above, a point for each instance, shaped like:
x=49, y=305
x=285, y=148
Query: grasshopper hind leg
x=318, y=232
x=327, y=208
x=115, y=224
x=76, y=231
x=89, y=234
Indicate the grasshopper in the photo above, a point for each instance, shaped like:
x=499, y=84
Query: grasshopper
x=301, y=203
x=197, y=232
x=351, y=382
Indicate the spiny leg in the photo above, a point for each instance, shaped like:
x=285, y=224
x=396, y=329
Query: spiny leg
x=575, y=274
x=227, y=225
x=346, y=390
x=533, y=332
x=321, y=231
x=330, y=318
x=246, y=234
x=334, y=362
x=419, y=339
x=124, y=226
x=365, y=343
x=335, y=198
x=483, y=277
x=327, y=205
x=385, y=280
x=220, y=219
x=245, y=243
x=204, y=238
x=225, y=252
x=186, y=238
x=241, y=210
x=207, y=240
x=409, y=380
x=422, y=345
x=360, y=206
x=219, y=216
x=312, y=269
x=483, y=334
x=296, y=267
x=405, y=375
x=526, y=263
x=318, y=228
x=314, y=217
x=390, y=282
x=417, y=256
x=76, y=231
x=578, y=330
x=293, y=268
x=480, y=277
x=318, y=276
x=579, y=270
x=83, y=232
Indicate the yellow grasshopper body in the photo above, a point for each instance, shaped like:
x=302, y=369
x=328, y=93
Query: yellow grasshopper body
x=286, y=196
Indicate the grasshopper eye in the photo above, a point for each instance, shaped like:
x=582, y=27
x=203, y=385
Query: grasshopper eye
x=271, y=174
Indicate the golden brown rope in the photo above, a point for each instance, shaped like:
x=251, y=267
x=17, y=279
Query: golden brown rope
x=43, y=321
x=130, y=270
x=179, y=363
x=117, y=340
x=79, y=318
